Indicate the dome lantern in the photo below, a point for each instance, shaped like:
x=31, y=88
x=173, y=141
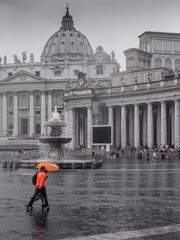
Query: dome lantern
x=67, y=21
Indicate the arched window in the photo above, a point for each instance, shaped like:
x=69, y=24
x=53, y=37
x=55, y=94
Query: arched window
x=38, y=129
x=157, y=63
x=10, y=101
x=168, y=63
x=38, y=100
x=177, y=64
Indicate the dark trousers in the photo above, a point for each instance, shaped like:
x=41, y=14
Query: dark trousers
x=43, y=195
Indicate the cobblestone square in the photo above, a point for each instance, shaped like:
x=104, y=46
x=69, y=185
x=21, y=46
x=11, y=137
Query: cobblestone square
x=123, y=196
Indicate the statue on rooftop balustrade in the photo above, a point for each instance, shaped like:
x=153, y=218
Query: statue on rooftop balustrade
x=24, y=57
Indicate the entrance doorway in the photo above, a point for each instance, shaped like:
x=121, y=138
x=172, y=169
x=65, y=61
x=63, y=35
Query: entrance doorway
x=24, y=126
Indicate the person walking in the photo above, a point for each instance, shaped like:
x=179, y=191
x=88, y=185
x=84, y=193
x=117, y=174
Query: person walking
x=40, y=189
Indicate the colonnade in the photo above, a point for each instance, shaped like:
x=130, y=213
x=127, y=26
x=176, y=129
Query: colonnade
x=146, y=124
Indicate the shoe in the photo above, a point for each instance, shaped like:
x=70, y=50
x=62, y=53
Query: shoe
x=29, y=207
x=45, y=206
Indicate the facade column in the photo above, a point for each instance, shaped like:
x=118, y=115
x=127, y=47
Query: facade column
x=43, y=112
x=89, y=127
x=136, y=126
x=173, y=64
x=177, y=123
x=110, y=121
x=15, y=115
x=150, y=125
x=123, y=126
x=49, y=104
x=31, y=128
x=4, y=120
x=163, y=124
x=71, y=126
x=66, y=119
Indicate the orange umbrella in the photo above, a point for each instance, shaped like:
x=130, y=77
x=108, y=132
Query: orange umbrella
x=50, y=167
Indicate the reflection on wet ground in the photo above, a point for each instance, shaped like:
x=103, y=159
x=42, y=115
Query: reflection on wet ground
x=124, y=195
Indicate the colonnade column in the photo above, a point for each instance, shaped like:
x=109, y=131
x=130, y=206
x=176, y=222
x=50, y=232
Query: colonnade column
x=71, y=128
x=163, y=123
x=31, y=130
x=15, y=115
x=118, y=128
x=131, y=126
x=43, y=112
x=159, y=125
x=4, y=113
x=89, y=127
x=173, y=124
x=123, y=126
x=136, y=126
x=150, y=125
x=144, y=126
x=110, y=121
x=177, y=123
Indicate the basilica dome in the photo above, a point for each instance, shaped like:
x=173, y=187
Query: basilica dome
x=67, y=43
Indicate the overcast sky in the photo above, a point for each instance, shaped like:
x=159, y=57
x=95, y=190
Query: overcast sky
x=26, y=25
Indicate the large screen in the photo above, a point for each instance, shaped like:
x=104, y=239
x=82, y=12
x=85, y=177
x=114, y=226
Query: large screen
x=101, y=134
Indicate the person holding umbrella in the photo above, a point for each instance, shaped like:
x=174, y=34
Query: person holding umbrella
x=40, y=189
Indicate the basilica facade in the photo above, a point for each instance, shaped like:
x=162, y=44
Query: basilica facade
x=140, y=104
x=30, y=90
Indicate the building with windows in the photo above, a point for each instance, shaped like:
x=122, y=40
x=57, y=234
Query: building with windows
x=156, y=49
x=141, y=104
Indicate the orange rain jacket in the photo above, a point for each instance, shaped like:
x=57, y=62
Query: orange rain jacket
x=41, y=178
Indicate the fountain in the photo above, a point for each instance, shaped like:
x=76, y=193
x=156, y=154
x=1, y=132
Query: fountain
x=55, y=140
x=54, y=150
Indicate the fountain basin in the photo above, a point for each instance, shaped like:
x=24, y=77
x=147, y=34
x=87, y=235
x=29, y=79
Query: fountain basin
x=55, y=140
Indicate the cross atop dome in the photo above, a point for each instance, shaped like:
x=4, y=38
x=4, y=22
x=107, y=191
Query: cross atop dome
x=67, y=21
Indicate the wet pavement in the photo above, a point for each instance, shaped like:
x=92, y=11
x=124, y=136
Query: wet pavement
x=124, y=195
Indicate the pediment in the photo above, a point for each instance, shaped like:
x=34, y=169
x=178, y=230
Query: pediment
x=23, y=77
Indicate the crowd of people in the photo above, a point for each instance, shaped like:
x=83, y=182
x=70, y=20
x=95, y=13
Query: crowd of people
x=144, y=153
